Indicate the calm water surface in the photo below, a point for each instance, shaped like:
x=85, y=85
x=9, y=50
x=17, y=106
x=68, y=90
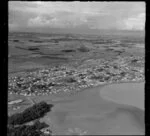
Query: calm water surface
x=125, y=93
x=113, y=109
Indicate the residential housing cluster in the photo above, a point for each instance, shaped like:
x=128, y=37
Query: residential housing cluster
x=69, y=79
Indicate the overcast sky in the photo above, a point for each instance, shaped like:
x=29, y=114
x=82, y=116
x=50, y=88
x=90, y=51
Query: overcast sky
x=76, y=15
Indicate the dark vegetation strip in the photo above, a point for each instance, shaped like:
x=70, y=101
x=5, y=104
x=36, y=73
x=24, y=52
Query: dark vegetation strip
x=16, y=123
x=21, y=48
x=69, y=50
x=36, y=41
x=28, y=49
x=37, y=51
x=54, y=57
x=33, y=48
x=27, y=130
x=15, y=40
x=31, y=113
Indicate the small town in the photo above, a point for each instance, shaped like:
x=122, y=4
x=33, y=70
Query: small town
x=69, y=79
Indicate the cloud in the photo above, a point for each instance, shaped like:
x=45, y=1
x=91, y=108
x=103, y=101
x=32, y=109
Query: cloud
x=57, y=22
x=59, y=19
x=135, y=23
x=94, y=15
x=12, y=26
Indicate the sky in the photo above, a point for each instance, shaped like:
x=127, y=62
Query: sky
x=76, y=16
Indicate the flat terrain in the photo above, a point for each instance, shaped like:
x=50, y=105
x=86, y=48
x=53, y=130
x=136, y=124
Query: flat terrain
x=116, y=58
x=87, y=112
x=29, y=51
x=90, y=113
x=120, y=92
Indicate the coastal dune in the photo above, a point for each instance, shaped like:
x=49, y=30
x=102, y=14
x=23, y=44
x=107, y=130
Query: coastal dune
x=90, y=113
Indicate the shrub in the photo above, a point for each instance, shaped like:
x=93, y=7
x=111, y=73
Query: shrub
x=16, y=40
x=33, y=48
x=69, y=50
x=83, y=49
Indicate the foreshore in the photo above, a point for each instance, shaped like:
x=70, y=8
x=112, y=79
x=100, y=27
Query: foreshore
x=88, y=111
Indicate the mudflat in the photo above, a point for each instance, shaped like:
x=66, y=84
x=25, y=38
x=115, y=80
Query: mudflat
x=89, y=113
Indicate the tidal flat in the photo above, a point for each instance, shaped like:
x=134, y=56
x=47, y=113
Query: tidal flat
x=90, y=113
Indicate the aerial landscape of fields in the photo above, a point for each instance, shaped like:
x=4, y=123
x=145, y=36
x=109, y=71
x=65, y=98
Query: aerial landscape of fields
x=63, y=83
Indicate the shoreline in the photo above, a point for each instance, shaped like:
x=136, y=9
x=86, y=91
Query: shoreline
x=60, y=94
x=100, y=85
x=72, y=79
x=83, y=106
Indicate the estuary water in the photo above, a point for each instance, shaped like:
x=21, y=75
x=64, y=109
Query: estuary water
x=125, y=93
x=103, y=110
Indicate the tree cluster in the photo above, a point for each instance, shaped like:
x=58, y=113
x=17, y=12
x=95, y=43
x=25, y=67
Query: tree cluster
x=16, y=122
x=36, y=111
x=26, y=130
